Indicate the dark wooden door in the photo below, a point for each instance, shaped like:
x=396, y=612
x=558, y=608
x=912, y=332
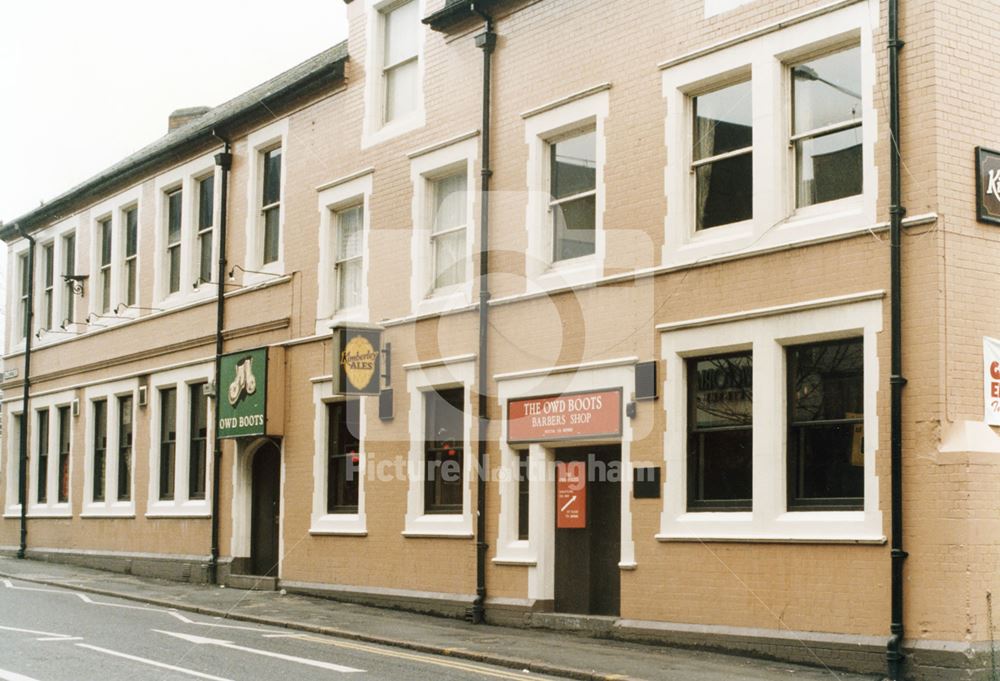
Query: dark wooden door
x=587, y=577
x=264, y=513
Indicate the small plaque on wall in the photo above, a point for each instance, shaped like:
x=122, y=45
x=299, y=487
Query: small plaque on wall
x=646, y=483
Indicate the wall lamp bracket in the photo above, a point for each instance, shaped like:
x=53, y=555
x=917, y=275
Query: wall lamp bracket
x=77, y=281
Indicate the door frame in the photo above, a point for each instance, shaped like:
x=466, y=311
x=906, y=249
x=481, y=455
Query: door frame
x=242, y=508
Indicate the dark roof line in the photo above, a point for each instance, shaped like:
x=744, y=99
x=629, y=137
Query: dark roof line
x=330, y=63
x=455, y=12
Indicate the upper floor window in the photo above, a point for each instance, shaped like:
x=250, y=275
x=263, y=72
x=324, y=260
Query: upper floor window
x=206, y=219
x=827, y=127
x=271, y=205
x=722, y=158
x=448, y=230
x=48, y=282
x=69, y=270
x=573, y=195
x=104, y=264
x=24, y=275
x=131, y=219
x=173, y=254
x=349, y=259
x=400, y=53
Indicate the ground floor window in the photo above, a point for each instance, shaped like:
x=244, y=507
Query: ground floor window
x=43, y=456
x=100, y=449
x=443, y=452
x=168, y=441
x=65, y=437
x=523, y=500
x=343, y=456
x=124, y=448
x=198, y=445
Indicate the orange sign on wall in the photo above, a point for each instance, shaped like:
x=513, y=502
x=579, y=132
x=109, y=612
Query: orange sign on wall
x=565, y=417
x=571, y=494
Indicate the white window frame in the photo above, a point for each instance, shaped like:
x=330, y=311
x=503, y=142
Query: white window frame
x=458, y=372
x=260, y=142
x=776, y=221
x=183, y=177
x=110, y=507
x=196, y=233
x=768, y=332
x=112, y=208
x=425, y=168
x=351, y=524
x=123, y=238
x=181, y=506
x=13, y=468
x=347, y=192
x=375, y=130
x=52, y=508
x=580, y=112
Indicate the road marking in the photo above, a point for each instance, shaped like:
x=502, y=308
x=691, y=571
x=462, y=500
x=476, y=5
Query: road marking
x=201, y=640
x=152, y=663
x=14, y=676
x=426, y=659
x=186, y=620
x=61, y=638
x=48, y=635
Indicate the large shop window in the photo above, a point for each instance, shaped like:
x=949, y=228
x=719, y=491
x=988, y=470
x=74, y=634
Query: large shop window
x=343, y=452
x=443, y=454
x=826, y=425
x=720, y=440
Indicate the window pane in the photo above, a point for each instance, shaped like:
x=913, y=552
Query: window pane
x=124, y=448
x=49, y=257
x=100, y=449
x=402, y=33
x=720, y=437
x=828, y=167
x=271, y=235
x=450, y=200
x=443, y=450
x=574, y=165
x=43, y=456
x=827, y=90
x=523, y=498
x=828, y=464
x=724, y=191
x=206, y=202
x=65, y=436
x=174, y=258
x=131, y=232
x=349, y=277
x=205, y=256
x=131, y=282
x=174, y=218
x=69, y=267
x=723, y=121
x=15, y=461
x=349, y=232
x=198, y=445
x=272, y=177
x=400, y=90
x=827, y=381
x=449, y=259
x=574, y=228
x=106, y=289
x=343, y=457
x=168, y=441
x=106, y=242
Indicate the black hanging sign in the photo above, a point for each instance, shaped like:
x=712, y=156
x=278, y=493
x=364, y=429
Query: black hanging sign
x=357, y=359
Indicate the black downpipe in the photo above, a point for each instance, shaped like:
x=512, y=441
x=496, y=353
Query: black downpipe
x=224, y=160
x=894, y=654
x=487, y=42
x=22, y=469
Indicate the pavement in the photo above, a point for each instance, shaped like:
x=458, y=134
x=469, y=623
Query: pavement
x=372, y=639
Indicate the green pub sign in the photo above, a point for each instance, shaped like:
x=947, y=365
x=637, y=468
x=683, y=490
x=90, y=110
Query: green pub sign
x=242, y=394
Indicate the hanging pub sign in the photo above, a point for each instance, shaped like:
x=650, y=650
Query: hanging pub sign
x=569, y=416
x=991, y=380
x=987, y=185
x=250, y=394
x=357, y=359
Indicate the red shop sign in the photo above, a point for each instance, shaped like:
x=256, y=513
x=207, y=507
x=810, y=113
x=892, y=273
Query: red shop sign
x=571, y=494
x=565, y=417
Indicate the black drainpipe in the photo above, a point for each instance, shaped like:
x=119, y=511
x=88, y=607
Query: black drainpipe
x=486, y=41
x=22, y=470
x=224, y=160
x=894, y=654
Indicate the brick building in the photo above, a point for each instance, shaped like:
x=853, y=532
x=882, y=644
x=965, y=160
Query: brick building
x=689, y=294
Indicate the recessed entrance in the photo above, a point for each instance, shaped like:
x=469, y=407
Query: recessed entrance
x=264, y=509
x=587, y=579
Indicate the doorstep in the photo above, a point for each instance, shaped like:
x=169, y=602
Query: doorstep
x=251, y=582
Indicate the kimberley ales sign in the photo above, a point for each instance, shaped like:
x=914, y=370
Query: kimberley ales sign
x=565, y=417
x=357, y=357
x=249, y=385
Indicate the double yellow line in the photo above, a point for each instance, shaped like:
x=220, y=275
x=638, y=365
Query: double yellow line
x=426, y=659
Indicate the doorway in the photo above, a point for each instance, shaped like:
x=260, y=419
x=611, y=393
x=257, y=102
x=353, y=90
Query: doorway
x=587, y=577
x=265, y=505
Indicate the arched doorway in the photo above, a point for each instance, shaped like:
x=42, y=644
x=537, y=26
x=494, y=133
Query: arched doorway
x=265, y=505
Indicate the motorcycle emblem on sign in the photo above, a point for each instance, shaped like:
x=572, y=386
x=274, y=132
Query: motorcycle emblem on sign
x=243, y=383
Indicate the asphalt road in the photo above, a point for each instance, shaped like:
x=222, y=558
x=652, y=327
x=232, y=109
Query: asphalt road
x=52, y=634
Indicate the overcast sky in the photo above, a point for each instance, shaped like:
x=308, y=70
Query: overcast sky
x=84, y=84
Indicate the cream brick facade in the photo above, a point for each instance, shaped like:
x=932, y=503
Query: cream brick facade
x=822, y=598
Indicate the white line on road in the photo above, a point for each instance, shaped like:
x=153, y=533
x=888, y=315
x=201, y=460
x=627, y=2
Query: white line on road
x=152, y=663
x=280, y=656
x=186, y=620
x=13, y=676
x=49, y=636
